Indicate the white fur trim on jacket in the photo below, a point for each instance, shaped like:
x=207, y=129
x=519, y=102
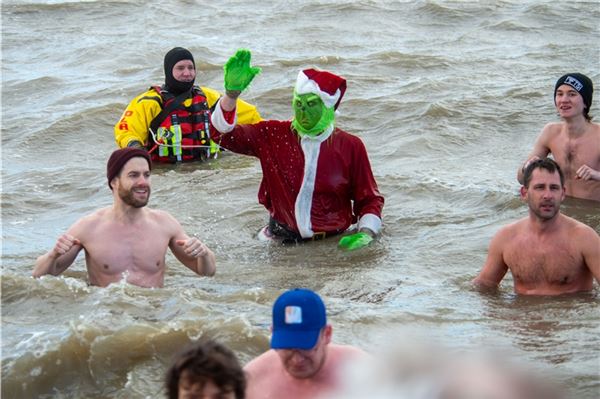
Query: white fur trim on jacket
x=311, y=146
x=371, y=222
x=304, y=86
x=218, y=119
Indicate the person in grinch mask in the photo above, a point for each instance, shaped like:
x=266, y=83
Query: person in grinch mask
x=317, y=179
x=172, y=121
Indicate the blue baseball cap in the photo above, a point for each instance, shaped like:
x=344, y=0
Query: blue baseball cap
x=298, y=317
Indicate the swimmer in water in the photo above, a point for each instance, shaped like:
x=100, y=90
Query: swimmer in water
x=302, y=362
x=127, y=240
x=547, y=252
x=575, y=141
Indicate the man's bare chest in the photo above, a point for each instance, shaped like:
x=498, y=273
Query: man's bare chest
x=571, y=153
x=115, y=249
x=556, y=262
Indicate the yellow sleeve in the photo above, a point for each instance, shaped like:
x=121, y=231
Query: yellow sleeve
x=247, y=113
x=136, y=118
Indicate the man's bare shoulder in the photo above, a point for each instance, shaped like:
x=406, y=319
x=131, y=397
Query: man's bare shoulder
x=578, y=230
x=551, y=130
x=511, y=229
x=262, y=363
x=160, y=215
x=347, y=350
x=93, y=218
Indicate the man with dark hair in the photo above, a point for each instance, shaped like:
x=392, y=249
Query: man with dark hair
x=574, y=142
x=547, y=252
x=302, y=362
x=172, y=121
x=206, y=369
x=127, y=240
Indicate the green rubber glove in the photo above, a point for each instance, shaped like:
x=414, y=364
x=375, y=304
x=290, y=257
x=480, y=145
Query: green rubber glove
x=238, y=72
x=355, y=241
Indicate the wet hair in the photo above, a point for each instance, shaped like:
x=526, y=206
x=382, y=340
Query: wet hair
x=206, y=361
x=546, y=163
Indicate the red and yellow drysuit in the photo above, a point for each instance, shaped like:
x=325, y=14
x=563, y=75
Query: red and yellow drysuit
x=184, y=133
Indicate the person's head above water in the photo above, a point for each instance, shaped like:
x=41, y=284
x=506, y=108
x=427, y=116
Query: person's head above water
x=317, y=95
x=119, y=158
x=298, y=317
x=206, y=369
x=582, y=84
x=172, y=58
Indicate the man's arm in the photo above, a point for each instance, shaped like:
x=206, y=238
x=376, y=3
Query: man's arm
x=247, y=114
x=193, y=253
x=590, y=242
x=367, y=201
x=494, y=269
x=541, y=149
x=132, y=128
x=59, y=258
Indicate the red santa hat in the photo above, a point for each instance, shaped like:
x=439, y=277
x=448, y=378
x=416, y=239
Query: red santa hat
x=329, y=87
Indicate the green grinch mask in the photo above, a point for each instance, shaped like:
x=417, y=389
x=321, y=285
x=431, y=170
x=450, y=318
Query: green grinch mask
x=311, y=116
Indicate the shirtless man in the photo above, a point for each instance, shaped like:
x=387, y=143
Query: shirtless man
x=547, y=253
x=303, y=363
x=127, y=240
x=574, y=142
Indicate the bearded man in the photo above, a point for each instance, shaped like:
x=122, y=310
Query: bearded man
x=547, y=252
x=317, y=179
x=127, y=240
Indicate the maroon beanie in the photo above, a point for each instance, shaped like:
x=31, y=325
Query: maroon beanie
x=120, y=157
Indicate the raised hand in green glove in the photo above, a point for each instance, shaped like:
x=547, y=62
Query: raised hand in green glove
x=355, y=241
x=238, y=72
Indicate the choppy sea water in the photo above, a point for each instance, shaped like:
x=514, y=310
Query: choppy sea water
x=448, y=98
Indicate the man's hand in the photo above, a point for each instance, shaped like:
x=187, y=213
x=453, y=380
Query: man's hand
x=193, y=247
x=529, y=161
x=64, y=244
x=587, y=173
x=135, y=143
x=355, y=241
x=238, y=72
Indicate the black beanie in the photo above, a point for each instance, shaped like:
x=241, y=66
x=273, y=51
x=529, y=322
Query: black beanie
x=579, y=82
x=171, y=58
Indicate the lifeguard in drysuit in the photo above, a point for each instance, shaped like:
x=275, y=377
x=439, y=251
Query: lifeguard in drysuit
x=172, y=121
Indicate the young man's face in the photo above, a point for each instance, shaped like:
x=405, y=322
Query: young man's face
x=569, y=102
x=184, y=71
x=300, y=363
x=544, y=193
x=190, y=389
x=133, y=183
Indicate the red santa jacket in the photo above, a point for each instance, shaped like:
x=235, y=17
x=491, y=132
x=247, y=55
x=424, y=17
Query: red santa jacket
x=343, y=189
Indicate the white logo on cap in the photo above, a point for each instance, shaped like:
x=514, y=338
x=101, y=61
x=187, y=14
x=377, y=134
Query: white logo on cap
x=571, y=81
x=293, y=315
